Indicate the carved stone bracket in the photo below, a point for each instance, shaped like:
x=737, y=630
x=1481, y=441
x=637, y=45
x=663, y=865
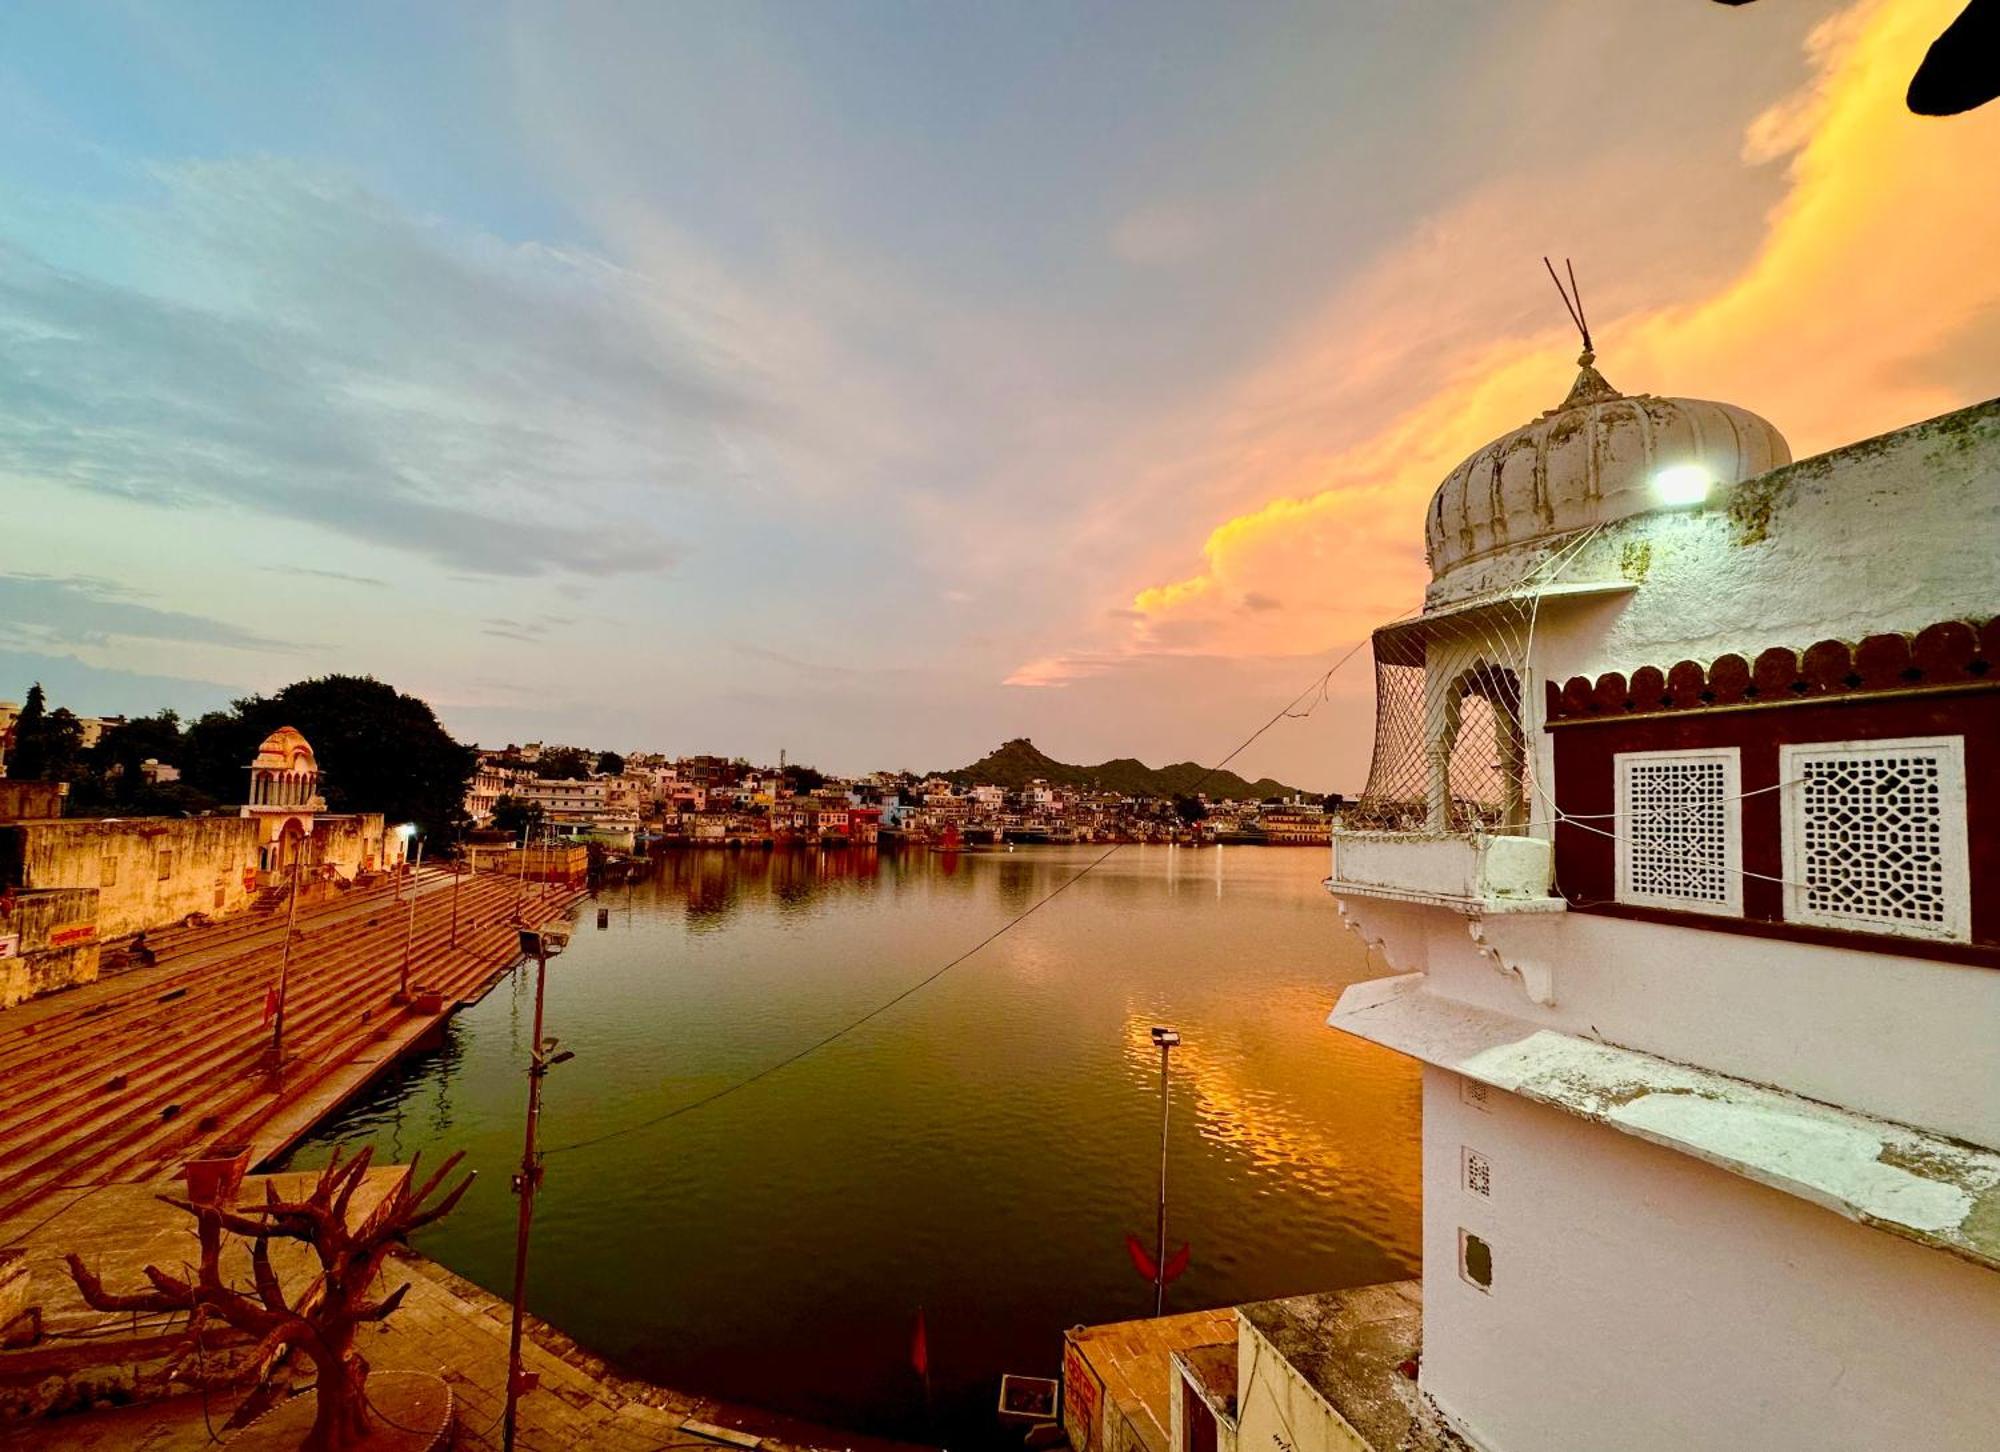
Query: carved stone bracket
x=1535, y=969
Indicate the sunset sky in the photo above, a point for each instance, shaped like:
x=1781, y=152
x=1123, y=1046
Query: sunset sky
x=882, y=381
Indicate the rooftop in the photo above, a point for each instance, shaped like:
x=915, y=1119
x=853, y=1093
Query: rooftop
x=1348, y=1346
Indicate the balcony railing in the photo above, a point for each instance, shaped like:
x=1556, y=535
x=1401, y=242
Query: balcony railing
x=1470, y=871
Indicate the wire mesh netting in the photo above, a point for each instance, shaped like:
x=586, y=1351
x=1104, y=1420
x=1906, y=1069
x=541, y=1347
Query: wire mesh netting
x=1450, y=750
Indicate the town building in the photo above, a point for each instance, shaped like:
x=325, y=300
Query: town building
x=491, y=780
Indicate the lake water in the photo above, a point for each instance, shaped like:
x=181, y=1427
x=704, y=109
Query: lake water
x=979, y=1150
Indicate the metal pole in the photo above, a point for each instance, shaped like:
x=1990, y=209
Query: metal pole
x=530, y=1174
x=409, y=937
x=1160, y=1257
x=457, y=873
x=521, y=878
x=285, y=966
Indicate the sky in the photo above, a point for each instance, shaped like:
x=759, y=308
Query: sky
x=878, y=382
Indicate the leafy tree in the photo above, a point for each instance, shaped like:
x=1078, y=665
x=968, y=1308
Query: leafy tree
x=803, y=778
x=48, y=744
x=114, y=768
x=516, y=817
x=564, y=763
x=1190, y=808
x=610, y=763
x=379, y=750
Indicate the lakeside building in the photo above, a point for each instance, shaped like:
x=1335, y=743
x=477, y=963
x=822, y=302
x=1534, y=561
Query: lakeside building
x=1682, y=840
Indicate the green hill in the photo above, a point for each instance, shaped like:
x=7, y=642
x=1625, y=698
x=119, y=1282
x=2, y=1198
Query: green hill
x=1016, y=763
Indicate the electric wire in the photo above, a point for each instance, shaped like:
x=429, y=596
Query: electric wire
x=1288, y=711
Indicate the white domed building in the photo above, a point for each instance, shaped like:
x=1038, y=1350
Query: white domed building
x=1682, y=840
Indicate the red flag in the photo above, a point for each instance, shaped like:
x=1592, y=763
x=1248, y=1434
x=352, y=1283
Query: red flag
x=920, y=1348
x=270, y=1004
x=1142, y=1260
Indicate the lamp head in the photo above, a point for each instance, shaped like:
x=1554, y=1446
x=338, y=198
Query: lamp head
x=1681, y=485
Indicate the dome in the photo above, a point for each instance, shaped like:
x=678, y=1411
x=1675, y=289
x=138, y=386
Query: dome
x=1593, y=459
x=284, y=750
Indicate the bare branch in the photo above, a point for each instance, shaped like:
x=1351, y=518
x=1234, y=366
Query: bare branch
x=99, y=1299
x=443, y=1207
x=268, y=1289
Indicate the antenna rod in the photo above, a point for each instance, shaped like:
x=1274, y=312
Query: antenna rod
x=1582, y=318
x=1575, y=309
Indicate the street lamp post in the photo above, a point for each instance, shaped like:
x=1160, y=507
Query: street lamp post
x=285, y=967
x=457, y=875
x=410, y=935
x=1168, y=1040
x=543, y=944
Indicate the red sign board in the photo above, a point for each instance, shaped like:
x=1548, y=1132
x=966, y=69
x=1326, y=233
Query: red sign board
x=1082, y=1396
x=72, y=933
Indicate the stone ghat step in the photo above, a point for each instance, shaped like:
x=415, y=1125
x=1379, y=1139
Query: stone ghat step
x=317, y=991
x=136, y=1139
x=161, y=1002
x=78, y=1129
x=71, y=1012
x=147, y=1055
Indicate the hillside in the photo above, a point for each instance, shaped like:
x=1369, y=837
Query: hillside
x=1018, y=762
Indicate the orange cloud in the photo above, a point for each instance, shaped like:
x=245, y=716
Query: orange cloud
x=1870, y=302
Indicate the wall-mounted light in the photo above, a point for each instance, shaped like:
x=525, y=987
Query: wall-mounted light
x=1683, y=484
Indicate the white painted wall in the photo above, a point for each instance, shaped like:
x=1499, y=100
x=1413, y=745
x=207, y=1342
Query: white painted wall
x=1898, y=1038
x=1644, y=1300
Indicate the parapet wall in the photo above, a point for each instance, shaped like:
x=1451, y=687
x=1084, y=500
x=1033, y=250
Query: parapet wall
x=48, y=940
x=148, y=871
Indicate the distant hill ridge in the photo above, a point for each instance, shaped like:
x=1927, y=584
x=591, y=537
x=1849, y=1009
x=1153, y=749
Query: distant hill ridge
x=1016, y=763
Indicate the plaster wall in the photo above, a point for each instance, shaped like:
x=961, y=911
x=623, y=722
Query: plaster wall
x=1891, y=534
x=354, y=844
x=1832, y=1024
x=1645, y=1300
x=50, y=942
x=148, y=871
x=1279, y=1412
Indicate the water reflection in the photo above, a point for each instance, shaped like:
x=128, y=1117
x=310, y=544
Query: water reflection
x=980, y=1150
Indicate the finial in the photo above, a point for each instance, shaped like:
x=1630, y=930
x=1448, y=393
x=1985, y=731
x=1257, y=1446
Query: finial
x=1572, y=301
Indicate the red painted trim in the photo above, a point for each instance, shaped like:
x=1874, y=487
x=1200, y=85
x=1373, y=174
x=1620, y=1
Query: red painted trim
x=1952, y=652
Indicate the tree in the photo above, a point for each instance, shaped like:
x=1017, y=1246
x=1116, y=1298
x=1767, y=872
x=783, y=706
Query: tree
x=114, y=769
x=379, y=750
x=517, y=818
x=322, y=1322
x=803, y=778
x=563, y=763
x=610, y=763
x=47, y=744
x=1190, y=809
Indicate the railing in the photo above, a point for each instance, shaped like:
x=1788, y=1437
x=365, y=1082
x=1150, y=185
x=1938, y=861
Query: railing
x=1459, y=869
